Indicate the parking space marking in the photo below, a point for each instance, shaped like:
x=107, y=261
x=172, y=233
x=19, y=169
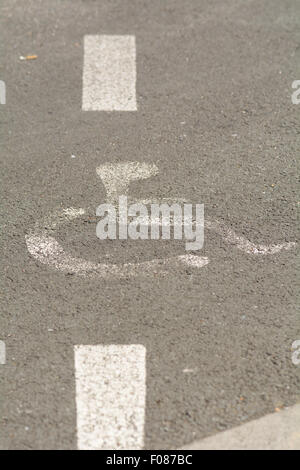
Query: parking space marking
x=110, y=396
x=2, y=353
x=48, y=251
x=109, y=73
x=116, y=177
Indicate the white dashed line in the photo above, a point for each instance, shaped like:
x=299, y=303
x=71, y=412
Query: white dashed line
x=109, y=73
x=110, y=396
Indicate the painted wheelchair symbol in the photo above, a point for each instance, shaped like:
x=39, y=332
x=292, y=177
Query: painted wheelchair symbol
x=116, y=179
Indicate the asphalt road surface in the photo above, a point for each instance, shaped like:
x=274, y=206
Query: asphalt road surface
x=214, y=115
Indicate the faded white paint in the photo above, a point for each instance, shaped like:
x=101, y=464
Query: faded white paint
x=45, y=248
x=109, y=73
x=243, y=244
x=110, y=396
x=276, y=431
x=117, y=177
x=48, y=251
x=296, y=94
x=296, y=352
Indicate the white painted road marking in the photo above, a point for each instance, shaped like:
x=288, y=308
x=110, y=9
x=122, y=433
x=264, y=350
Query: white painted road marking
x=116, y=177
x=110, y=396
x=296, y=352
x=109, y=73
x=243, y=244
x=49, y=252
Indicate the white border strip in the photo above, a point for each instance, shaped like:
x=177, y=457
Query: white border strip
x=110, y=396
x=109, y=73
